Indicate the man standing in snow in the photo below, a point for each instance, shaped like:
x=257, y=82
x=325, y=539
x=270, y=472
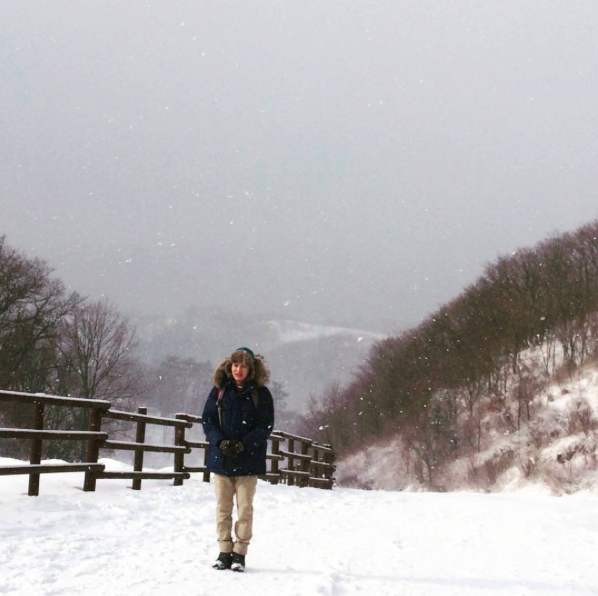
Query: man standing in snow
x=237, y=419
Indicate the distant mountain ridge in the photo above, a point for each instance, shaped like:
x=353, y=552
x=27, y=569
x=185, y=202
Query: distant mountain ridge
x=289, y=331
x=303, y=357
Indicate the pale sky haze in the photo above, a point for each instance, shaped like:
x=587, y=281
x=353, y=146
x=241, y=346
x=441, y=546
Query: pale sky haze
x=343, y=162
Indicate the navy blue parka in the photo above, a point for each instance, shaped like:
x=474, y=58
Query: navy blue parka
x=239, y=420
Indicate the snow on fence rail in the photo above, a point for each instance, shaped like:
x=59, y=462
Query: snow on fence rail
x=305, y=462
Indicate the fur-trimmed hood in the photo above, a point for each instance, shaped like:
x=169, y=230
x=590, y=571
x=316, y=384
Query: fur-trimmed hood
x=258, y=371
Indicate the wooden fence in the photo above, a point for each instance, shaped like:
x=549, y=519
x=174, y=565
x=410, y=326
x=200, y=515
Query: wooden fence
x=292, y=460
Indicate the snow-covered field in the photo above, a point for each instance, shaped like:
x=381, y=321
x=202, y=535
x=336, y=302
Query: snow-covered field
x=161, y=541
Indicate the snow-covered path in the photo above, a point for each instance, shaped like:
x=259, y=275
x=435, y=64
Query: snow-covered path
x=161, y=541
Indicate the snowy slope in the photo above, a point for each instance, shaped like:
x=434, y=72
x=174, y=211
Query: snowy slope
x=307, y=542
x=556, y=449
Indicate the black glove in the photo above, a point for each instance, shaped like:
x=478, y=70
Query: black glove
x=238, y=447
x=231, y=448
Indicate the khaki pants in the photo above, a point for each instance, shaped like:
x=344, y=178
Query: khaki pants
x=226, y=489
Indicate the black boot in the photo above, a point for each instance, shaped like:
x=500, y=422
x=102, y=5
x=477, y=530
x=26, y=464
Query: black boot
x=238, y=563
x=224, y=561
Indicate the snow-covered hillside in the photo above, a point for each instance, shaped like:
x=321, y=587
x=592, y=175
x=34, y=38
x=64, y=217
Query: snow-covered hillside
x=557, y=449
x=307, y=542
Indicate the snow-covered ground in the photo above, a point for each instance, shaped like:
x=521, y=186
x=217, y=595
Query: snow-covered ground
x=307, y=542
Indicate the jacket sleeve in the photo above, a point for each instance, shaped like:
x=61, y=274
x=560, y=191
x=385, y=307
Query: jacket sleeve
x=265, y=423
x=210, y=419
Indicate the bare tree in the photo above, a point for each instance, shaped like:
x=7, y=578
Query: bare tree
x=178, y=385
x=286, y=419
x=94, y=360
x=31, y=306
x=97, y=350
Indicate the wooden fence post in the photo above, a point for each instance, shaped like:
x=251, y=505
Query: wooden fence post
x=93, y=448
x=304, y=464
x=313, y=468
x=35, y=451
x=139, y=438
x=330, y=458
x=206, y=474
x=291, y=464
x=179, y=458
x=274, y=469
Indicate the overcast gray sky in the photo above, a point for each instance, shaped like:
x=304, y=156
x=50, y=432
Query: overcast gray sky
x=344, y=161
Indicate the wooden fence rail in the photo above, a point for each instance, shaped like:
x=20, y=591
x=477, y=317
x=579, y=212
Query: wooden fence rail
x=37, y=435
x=140, y=447
x=293, y=460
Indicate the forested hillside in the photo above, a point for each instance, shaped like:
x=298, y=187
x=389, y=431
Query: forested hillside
x=473, y=371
